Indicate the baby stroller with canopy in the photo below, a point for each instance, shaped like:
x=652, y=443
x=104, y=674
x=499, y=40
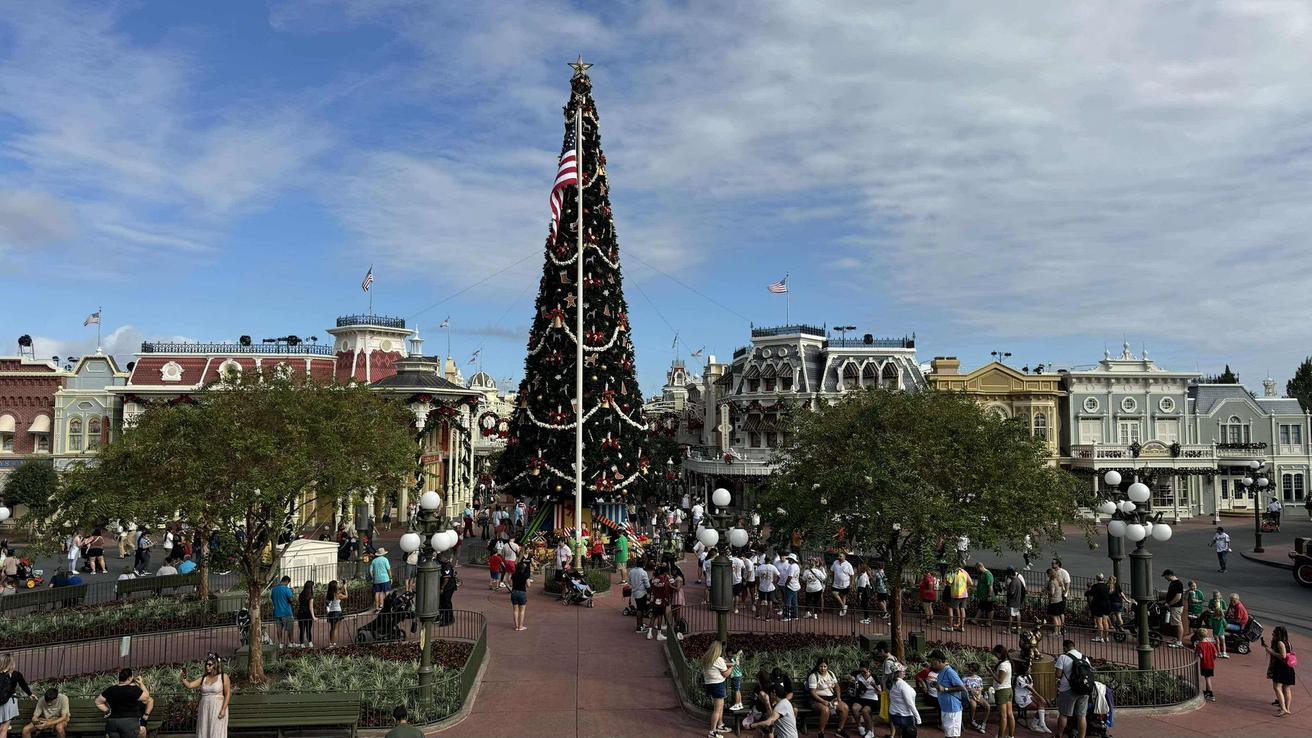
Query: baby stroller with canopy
x=398, y=607
x=1238, y=640
x=575, y=590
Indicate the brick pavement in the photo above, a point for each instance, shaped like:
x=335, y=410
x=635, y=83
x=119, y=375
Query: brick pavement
x=581, y=672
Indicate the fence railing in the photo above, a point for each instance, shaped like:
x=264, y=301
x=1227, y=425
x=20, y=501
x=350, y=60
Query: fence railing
x=103, y=588
x=450, y=689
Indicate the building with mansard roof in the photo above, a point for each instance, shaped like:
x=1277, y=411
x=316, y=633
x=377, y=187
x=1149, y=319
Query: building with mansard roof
x=745, y=403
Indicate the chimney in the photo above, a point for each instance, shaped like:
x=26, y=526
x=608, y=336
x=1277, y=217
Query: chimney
x=945, y=365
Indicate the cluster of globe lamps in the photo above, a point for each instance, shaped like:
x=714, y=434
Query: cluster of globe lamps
x=440, y=541
x=1135, y=510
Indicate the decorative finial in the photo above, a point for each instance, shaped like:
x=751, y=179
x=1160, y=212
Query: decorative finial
x=1125, y=351
x=580, y=67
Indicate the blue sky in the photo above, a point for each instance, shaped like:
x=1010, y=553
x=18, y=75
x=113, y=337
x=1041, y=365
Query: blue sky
x=1044, y=180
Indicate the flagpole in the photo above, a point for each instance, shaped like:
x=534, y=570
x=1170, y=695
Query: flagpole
x=578, y=333
x=100, y=320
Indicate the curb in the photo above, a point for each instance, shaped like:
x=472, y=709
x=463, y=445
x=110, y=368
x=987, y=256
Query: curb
x=684, y=701
x=1137, y=712
x=1264, y=562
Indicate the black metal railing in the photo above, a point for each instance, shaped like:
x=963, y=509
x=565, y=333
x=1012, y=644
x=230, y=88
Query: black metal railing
x=785, y=330
x=903, y=342
x=386, y=321
x=173, y=347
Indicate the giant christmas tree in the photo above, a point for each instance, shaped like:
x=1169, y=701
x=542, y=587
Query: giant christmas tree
x=539, y=456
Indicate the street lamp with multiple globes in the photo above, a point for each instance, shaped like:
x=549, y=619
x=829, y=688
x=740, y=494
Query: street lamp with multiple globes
x=721, y=569
x=4, y=513
x=1253, y=483
x=1133, y=519
x=431, y=539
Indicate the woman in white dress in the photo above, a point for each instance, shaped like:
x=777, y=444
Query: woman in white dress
x=215, y=691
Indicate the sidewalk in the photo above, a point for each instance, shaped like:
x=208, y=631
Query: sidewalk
x=579, y=673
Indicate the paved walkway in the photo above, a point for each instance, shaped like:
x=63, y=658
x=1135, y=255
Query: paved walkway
x=581, y=672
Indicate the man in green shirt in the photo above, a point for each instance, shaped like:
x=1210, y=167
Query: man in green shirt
x=622, y=553
x=403, y=727
x=983, y=595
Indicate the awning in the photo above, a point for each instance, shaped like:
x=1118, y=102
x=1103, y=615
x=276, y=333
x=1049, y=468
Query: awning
x=40, y=425
x=768, y=372
x=6, y=424
x=753, y=423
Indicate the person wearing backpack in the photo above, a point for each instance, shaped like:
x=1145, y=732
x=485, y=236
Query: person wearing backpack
x=1074, y=687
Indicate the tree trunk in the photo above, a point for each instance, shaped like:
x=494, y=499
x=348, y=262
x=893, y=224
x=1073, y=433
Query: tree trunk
x=895, y=617
x=255, y=642
x=203, y=589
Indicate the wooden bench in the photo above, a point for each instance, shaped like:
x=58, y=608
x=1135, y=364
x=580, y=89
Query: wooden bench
x=156, y=584
x=296, y=712
x=35, y=599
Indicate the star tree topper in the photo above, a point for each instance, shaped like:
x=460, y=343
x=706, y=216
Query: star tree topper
x=580, y=67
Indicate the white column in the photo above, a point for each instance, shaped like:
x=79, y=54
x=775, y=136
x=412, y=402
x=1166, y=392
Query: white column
x=1175, y=498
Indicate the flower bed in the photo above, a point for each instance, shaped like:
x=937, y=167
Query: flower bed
x=135, y=617
x=385, y=674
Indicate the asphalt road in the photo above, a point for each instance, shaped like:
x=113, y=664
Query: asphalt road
x=1269, y=593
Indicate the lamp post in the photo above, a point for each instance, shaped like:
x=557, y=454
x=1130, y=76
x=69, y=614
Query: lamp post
x=1132, y=518
x=721, y=569
x=431, y=538
x=1254, y=483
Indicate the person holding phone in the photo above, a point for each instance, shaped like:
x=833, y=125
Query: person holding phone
x=1281, y=669
x=215, y=693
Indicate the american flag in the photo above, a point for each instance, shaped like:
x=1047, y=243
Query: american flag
x=474, y=359
x=567, y=174
x=779, y=287
x=368, y=279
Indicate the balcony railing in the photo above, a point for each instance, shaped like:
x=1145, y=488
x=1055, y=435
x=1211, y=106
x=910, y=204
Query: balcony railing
x=1193, y=451
x=385, y=321
x=312, y=349
x=905, y=342
x=786, y=330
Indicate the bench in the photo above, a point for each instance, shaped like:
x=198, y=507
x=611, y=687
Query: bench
x=294, y=711
x=155, y=584
x=70, y=596
x=276, y=712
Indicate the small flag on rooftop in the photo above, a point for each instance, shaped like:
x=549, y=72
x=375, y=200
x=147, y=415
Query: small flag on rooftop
x=474, y=359
x=779, y=287
x=446, y=323
x=368, y=279
x=92, y=319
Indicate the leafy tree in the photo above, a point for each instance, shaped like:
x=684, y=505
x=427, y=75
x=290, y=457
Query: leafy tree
x=1300, y=386
x=1228, y=377
x=899, y=474
x=32, y=484
x=245, y=459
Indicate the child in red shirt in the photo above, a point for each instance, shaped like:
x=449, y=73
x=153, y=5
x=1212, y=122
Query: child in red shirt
x=496, y=565
x=1206, y=650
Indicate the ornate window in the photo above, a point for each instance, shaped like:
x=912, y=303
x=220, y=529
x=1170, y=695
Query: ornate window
x=1127, y=432
x=1091, y=404
x=1041, y=426
x=1293, y=487
x=171, y=372
x=1235, y=431
x=869, y=376
x=754, y=439
x=93, y=434
x=75, y=435
x=228, y=369
x=851, y=377
x=1166, y=404
x=998, y=412
x=889, y=380
x=7, y=426
x=1129, y=404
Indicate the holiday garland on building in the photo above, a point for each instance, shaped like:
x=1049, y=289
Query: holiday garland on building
x=539, y=455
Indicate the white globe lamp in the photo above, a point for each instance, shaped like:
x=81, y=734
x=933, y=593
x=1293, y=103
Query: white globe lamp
x=1255, y=464
x=1135, y=532
x=1246, y=481
x=1139, y=492
x=737, y=537
x=1116, y=528
x=410, y=542
x=429, y=501
x=1106, y=507
x=452, y=538
x=1127, y=507
x=1112, y=478
x=4, y=513
x=1148, y=529
x=1162, y=532
x=1262, y=482
x=721, y=497
x=708, y=536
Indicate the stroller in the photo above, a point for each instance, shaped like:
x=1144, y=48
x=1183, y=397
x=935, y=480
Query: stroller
x=398, y=607
x=1238, y=641
x=1270, y=523
x=575, y=590
x=244, y=628
x=1157, y=614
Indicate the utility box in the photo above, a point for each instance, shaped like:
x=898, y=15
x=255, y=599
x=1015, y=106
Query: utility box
x=308, y=560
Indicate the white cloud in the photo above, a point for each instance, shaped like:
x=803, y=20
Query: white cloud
x=122, y=343
x=33, y=219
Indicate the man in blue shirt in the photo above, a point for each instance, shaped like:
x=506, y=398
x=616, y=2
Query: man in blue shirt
x=380, y=571
x=283, y=600
x=950, y=691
